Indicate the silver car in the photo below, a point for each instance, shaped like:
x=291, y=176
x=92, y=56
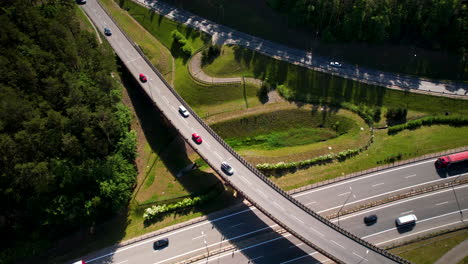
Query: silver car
x=227, y=168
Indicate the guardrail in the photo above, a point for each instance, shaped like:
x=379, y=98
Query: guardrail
x=377, y=169
x=260, y=175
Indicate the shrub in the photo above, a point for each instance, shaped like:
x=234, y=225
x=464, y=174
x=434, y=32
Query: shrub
x=209, y=54
x=396, y=115
x=430, y=120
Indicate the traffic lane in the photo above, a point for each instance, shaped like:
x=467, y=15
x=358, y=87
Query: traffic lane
x=348, y=194
x=295, y=213
x=424, y=207
x=341, y=246
x=284, y=249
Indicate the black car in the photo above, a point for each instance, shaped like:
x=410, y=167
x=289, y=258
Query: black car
x=161, y=243
x=107, y=31
x=370, y=219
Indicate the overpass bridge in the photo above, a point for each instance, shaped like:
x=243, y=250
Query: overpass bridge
x=314, y=230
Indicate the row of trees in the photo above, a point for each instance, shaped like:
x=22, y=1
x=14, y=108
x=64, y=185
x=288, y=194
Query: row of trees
x=437, y=23
x=66, y=152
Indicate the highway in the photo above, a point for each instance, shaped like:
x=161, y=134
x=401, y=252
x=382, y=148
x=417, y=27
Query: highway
x=252, y=231
x=226, y=35
x=283, y=209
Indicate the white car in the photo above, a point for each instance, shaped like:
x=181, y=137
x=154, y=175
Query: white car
x=183, y=111
x=335, y=64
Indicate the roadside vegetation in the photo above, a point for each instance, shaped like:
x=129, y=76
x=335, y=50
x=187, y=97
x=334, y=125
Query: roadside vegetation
x=368, y=33
x=429, y=250
x=67, y=151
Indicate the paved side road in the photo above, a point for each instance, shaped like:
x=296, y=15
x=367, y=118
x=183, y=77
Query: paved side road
x=225, y=35
x=455, y=255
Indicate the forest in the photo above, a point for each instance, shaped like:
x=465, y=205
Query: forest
x=434, y=24
x=66, y=150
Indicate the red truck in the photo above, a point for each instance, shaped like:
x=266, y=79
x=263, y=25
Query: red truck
x=446, y=161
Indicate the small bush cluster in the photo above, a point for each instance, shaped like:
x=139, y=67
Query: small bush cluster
x=430, y=120
x=157, y=210
x=395, y=115
x=341, y=156
x=182, y=41
x=209, y=54
x=367, y=113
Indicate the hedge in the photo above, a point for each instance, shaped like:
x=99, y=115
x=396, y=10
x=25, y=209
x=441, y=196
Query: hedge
x=157, y=210
x=456, y=120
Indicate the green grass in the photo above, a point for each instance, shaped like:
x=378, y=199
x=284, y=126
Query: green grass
x=306, y=85
x=428, y=251
x=282, y=128
x=410, y=144
x=258, y=19
x=157, y=53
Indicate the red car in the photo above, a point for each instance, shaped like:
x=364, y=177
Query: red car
x=143, y=78
x=197, y=138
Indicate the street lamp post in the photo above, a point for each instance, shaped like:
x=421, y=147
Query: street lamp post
x=456, y=197
x=349, y=196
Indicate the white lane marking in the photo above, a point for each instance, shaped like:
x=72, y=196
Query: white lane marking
x=396, y=203
x=298, y=245
x=337, y=244
x=207, y=144
x=217, y=243
x=410, y=176
x=421, y=221
x=299, y=220
x=412, y=234
x=256, y=258
x=165, y=99
x=242, y=249
x=122, y=262
x=382, y=194
x=202, y=235
x=313, y=229
x=311, y=203
x=175, y=232
x=217, y=155
x=364, y=177
x=303, y=256
x=446, y=202
x=407, y=212
x=378, y=184
x=344, y=193
x=279, y=206
x=359, y=256
x=245, y=179
x=237, y=225
x=262, y=194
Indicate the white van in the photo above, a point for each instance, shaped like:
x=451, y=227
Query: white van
x=183, y=111
x=406, y=220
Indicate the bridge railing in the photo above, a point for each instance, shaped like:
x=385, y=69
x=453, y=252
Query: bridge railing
x=259, y=174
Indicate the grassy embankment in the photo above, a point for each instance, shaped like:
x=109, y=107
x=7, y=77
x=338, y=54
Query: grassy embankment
x=304, y=85
x=429, y=250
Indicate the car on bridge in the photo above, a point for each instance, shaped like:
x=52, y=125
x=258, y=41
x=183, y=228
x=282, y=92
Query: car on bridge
x=227, y=168
x=197, y=138
x=107, y=31
x=143, y=78
x=183, y=111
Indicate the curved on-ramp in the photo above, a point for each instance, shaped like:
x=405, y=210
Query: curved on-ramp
x=312, y=229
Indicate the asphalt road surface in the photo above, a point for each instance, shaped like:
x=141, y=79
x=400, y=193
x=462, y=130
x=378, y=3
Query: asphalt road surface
x=312, y=230
x=255, y=239
x=226, y=35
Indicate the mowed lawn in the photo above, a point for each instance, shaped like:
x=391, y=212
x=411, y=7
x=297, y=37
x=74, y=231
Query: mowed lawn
x=408, y=143
x=429, y=250
x=301, y=84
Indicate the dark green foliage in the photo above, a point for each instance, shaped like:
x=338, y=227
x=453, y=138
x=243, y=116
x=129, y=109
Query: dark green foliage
x=66, y=155
x=436, y=24
x=182, y=43
x=396, y=115
x=209, y=54
x=456, y=120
